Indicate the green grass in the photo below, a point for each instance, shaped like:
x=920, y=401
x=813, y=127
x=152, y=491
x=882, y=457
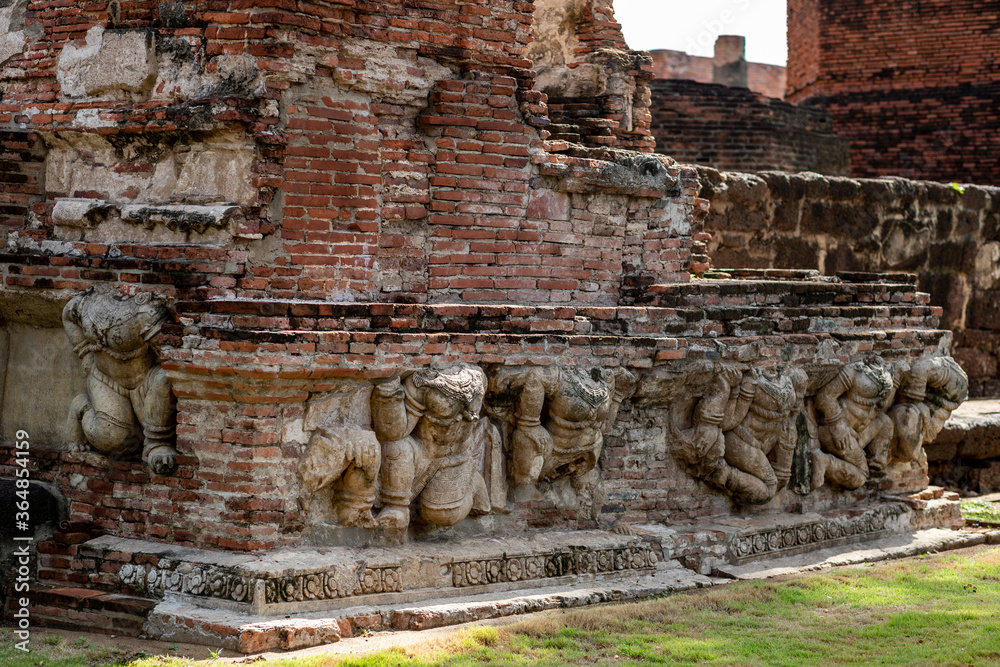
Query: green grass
x=981, y=510
x=924, y=611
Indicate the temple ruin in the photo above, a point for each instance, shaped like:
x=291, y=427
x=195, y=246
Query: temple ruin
x=326, y=317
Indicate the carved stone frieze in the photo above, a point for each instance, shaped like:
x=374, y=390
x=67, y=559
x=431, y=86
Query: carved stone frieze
x=543, y=566
x=557, y=417
x=744, y=429
x=777, y=542
x=128, y=398
x=209, y=581
x=332, y=585
x=427, y=450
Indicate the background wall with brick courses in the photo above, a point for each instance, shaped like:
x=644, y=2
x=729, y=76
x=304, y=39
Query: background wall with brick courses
x=914, y=85
x=22, y=155
x=951, y=239
x=738, y=130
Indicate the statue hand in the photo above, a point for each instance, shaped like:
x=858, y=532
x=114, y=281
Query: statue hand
x=844, y=439
x=390, y=389
x=731, y=375
x=530, y=445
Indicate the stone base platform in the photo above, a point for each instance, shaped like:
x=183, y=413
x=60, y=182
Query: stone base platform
x=966, y=454
x=310, y=596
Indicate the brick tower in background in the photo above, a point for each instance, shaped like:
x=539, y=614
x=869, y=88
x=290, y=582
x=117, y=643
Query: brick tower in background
x=914, y=85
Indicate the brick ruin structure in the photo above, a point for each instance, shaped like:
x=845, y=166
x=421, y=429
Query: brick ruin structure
x=728, y=114
x=913, y=85
x=768, y=80
x=313, y=312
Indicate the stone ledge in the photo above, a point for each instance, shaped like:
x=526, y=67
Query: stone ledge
x=173, y=620
x=888, y=548
x=972, y=432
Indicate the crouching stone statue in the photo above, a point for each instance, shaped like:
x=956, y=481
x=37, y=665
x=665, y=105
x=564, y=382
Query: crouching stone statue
x=561, y=416
x=929, y=392
x=126, y=387
x=740, y=435
x=432, y=445
x=855, y=433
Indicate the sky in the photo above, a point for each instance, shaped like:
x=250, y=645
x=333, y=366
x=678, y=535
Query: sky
x=693, y=26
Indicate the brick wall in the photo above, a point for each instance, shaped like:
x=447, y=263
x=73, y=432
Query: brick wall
x=21, y=176
x=735, y=129
x=914, y=85
x=950, y=238
x=413, y=187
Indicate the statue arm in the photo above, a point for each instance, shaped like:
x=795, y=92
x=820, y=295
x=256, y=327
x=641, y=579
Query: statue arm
x=740, y=398
x=395, y=410
x=827, y=401
x=72, y=324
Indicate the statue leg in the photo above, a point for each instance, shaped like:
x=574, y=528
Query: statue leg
x=153, y=405
x=750, y=477
x=908, y=432
x=355, y=499
x=450, y=493
x=106, y=418
x=830, y=468
x=878, y=435
x=75, y=436
x=783, y=453
x=480, y=496
x=397, y=474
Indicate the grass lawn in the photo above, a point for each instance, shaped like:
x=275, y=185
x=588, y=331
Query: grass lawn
x=987, y=511
x=942, y=610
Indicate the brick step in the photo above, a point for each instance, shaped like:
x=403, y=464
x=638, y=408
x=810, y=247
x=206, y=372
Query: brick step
x=93, y=611
x=781, y=293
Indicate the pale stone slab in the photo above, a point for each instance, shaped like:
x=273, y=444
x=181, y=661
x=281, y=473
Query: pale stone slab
x=888, y=548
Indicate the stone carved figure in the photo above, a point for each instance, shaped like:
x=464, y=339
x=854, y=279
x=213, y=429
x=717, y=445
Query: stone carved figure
x=851, y=420
x=349, y=458
x=126, y=387
x=561, y=416
x=741, y=433
x=928, y=393
x=432, y=445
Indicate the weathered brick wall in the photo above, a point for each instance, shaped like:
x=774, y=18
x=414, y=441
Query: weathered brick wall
x=736, y=129
x=411, y=185
x=21, y=176
x=950, y=238
x=914, y=85
x=595, y=84
x=768, y=80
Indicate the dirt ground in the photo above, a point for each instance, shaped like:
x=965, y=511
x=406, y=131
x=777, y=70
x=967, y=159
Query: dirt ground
x=357, y=645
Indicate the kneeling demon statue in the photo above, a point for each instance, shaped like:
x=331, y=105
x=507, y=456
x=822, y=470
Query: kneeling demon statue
x=929, y=392
x=432, y=445
x=127, y=389
x=855, y=433
x=561, y=416
x=740, y=435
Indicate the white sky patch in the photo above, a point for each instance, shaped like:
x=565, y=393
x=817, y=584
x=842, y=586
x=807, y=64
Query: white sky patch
x=693, y=27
